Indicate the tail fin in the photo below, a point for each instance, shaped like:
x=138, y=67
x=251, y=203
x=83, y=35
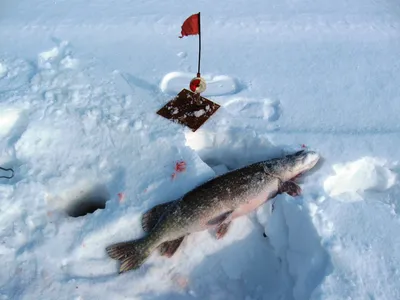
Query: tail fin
x=131, y=254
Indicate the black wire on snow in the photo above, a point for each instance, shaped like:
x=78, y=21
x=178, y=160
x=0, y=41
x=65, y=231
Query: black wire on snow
x=7, y=177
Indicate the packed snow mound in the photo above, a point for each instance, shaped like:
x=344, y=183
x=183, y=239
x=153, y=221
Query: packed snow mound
x=3, y=70
x=354, y=178
x=10, y=120
x=291, y=230
x=230, y=145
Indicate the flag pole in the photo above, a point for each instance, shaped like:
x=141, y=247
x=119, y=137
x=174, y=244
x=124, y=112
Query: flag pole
x=198, y=66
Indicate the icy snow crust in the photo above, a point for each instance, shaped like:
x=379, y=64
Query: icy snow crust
x=80, y=82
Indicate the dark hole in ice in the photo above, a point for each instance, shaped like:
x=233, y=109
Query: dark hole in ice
x=88, y=202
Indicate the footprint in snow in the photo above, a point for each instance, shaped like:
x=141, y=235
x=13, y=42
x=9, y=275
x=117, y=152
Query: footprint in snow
x=219, y=85
x=265, y=109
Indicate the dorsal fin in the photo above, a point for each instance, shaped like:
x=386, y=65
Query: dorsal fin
x=151, y=217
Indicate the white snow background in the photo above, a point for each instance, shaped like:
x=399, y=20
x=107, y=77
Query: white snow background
x=80, y=82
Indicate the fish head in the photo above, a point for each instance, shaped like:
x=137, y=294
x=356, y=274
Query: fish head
x=294, y=165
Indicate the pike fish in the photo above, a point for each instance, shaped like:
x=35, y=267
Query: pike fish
x=214, y=204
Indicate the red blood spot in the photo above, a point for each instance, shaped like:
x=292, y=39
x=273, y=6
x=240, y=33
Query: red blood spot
x=121, y=197
x=303, y=146
x=180, y=166
x=181, y=281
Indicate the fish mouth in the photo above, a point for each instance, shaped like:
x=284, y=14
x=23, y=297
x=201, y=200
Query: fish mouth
x=308, y=161
x=297, y=177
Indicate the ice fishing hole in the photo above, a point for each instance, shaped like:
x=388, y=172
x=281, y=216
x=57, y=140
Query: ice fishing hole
x=87, y=202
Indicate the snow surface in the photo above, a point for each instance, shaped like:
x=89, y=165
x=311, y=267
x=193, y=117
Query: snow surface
x=80, y=82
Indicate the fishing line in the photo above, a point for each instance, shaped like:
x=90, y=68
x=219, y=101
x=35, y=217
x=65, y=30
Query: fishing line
x=7, y=177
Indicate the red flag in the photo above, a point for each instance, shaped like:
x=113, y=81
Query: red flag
x=191, y=26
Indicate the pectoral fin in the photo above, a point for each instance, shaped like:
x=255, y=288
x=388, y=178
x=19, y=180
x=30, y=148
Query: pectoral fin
x=219, y=219
x=222, y=230
x=169, y=248
x=291, y=188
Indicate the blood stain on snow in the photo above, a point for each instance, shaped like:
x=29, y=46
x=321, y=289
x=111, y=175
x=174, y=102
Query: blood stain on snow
x=180, y=167
x=180, y=280
x=121, y=197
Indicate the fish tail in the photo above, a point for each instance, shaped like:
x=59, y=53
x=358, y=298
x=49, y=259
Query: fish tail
x=131, y=254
